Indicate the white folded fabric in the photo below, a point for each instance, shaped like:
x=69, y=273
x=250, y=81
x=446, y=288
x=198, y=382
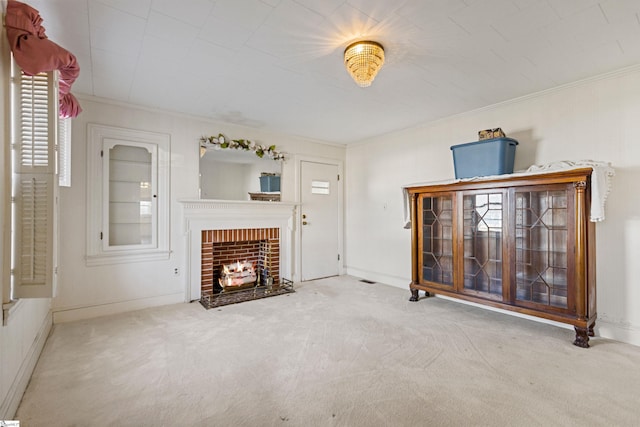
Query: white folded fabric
x=600, y=181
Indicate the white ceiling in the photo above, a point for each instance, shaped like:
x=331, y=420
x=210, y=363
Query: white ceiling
x=277, y=64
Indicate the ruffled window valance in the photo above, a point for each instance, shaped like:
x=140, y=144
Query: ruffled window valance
x=35, y=53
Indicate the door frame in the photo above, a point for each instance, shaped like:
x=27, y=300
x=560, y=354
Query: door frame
x=298, y=160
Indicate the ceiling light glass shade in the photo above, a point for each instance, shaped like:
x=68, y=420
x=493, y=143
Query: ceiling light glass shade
x=363, y=60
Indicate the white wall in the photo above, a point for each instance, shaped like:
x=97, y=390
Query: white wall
x=89, y=291
x=21, y=342
x=596, y=119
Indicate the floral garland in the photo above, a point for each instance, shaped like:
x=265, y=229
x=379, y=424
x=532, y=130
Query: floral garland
x=222, y=141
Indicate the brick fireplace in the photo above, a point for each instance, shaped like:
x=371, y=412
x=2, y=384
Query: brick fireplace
x=223, y=221
x=260, y=246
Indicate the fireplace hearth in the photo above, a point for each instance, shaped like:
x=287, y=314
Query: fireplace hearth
x=257, y=291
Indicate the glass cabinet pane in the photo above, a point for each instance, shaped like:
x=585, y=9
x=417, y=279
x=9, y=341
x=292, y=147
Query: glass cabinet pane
x=541, y=247
x=130, y=196
x=437, y=243
x=482, y=230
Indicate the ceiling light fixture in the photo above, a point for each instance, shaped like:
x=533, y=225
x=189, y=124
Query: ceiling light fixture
x=363, y=60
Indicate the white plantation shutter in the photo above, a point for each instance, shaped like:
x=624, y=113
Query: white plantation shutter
x=34, y=183
x=64, y=152
x=36, y=141
x=33, y=234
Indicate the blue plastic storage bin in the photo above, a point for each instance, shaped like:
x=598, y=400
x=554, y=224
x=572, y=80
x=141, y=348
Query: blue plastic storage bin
x=481, y=158
x=269, y=183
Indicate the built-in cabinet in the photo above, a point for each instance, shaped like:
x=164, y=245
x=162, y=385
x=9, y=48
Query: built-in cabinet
x=128, y=196
x=522, y=243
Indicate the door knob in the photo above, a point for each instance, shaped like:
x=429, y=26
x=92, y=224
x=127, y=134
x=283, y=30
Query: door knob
x=304, y=222
x=304, y=216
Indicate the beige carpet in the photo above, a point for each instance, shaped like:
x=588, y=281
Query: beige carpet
x=338, y=352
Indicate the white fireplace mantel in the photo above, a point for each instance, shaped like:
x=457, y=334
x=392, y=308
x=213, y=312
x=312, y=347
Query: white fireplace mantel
x=203, y=214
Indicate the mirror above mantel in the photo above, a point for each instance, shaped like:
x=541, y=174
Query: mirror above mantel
x=234, y=174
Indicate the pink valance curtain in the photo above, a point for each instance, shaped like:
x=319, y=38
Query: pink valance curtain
x=35, y=53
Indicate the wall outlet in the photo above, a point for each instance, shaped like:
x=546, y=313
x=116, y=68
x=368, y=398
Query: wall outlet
x=176, y=271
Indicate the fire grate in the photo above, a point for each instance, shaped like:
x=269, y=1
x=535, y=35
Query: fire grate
x=212, y=300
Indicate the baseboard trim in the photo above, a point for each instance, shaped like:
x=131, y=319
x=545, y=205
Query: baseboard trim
x=618, y=331
x=73, y=314
x=395, y=281
x=19, y=385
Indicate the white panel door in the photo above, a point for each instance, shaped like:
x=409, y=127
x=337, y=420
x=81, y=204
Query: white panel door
x=319, y=220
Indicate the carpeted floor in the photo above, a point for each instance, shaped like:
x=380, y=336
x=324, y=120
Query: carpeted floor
x=338, y=352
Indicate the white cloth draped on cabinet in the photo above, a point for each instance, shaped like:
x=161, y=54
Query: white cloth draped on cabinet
x=600, y=184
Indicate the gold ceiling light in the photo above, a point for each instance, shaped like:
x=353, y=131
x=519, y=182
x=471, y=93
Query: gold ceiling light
x=363, y=60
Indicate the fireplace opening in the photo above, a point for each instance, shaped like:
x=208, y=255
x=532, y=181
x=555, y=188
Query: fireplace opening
x=262, y=254
x=239, y=260
x=238, y=275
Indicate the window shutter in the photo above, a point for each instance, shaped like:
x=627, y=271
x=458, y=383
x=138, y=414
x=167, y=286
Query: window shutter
x=64, y=152
x=34, y=183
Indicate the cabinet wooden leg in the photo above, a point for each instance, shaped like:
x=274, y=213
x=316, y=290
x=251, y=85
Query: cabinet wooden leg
x=414, y=295
x=582, y=337
x=591, y=333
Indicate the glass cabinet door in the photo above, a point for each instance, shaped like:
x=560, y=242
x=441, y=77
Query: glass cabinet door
x=542, y=236
x=130, y=195
x=437, y=239
x=483, y=239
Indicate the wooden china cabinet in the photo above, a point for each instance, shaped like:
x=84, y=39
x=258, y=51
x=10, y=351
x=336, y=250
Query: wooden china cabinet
x=520, y=242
